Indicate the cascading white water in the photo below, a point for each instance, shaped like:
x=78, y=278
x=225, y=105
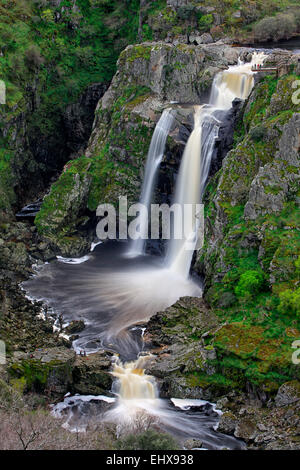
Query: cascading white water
x=154, y=158
x=190, y=184
x=235, y=82
x=133, y=382
x=137, y=407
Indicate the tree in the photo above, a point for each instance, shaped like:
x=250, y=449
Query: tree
x=148, y=440
x=250, y=283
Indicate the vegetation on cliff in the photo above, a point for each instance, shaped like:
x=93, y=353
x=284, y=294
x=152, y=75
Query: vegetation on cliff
x=50, y=52
x=251, y=256
x=241, y=21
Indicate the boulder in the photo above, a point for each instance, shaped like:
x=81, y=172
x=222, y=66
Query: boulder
x=91, y=374
x=227, y=423
x=75, y=326
x=190, y=444
x=288, y=393
x=44, y=370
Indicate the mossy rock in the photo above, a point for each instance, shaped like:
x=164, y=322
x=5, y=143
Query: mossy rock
x=45, y=370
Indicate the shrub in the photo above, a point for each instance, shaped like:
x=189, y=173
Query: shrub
x=281, y=26
x=147, y=440
x=290, y=302
x=205, y=22
x=33, y=57
x=257, y=133
x=250, y=283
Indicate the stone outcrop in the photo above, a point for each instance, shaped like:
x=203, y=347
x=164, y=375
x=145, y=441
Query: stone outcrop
x=262, y=200
x=48, y=370
x=57, y=370
x=91, y=374
x=177, y=335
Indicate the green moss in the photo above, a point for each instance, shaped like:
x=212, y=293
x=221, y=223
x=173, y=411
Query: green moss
x=7, y=195
x=34, y=375
x=139, y=51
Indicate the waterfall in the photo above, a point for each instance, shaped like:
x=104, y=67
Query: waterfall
x=235, y=82
x=190, y=185
x=133, y=382
x=154, y=158
x=111, y=296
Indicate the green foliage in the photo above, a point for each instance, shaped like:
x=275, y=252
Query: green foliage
x=290, y=302
x=277, y=27
x=257, y=133
x=250, y=283
x=205, y=22
x=147, y=440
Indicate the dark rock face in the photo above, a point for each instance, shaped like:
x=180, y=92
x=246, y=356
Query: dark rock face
x=79, y=117
x=91, y=374
x=225, y=139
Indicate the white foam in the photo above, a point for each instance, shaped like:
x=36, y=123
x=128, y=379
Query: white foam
x=83, y=259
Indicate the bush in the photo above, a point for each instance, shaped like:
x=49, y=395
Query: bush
x=281, y=26
x=33, y=57
x=250, y=283
x=205, y=22
x=257, y=133
x=290, y=302
x=148, y=440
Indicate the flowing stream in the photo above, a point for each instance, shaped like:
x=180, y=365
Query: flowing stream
x=114, y=294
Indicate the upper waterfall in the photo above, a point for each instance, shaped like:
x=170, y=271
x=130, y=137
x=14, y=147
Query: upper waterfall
x=190, y=184
x=154, y=158
x=235, y=82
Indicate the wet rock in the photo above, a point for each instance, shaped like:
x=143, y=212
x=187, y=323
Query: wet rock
x=75, y=326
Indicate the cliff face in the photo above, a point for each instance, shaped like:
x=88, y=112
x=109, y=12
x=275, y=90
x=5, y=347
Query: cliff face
x=251, y=254
x=55, y=57
x=150, y=76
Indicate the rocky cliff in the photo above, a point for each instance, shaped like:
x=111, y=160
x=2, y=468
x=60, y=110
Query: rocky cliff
x=237, y=342
x=150, y=76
